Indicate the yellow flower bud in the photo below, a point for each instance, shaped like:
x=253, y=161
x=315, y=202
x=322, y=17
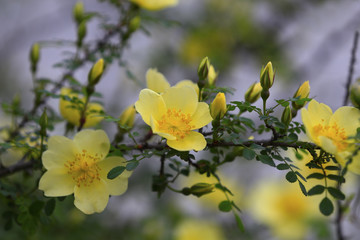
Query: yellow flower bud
x=286, y=116
x=218, y=106
x=212, y=75
x=34, y=56
x=200, y=189
x=127, y=117
x=253, y=93
x=203, y=69
x=134, y=23
x=267, y=76
x=154, y=5
x=78, y=12
x=355, y=93
x=302, y=92
x=96, y=72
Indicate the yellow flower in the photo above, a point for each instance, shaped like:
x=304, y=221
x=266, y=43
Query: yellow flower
x=194, y=229
x=218, y=106
x=158, y=83
x=173, y=115
x=71, y=112
x=127, y=117
x=331, y=131
x=154, y=5
x=80, y=166
x=284, y=208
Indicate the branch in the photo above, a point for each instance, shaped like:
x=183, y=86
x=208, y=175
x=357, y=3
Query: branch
x=16, y=168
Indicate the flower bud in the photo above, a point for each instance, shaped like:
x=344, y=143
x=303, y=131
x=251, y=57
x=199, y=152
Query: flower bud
x=96, y=72
x=302, y=92
x=134, y=23
x=355, y=93
x=203, y=69
x=43, y=122
x=253, y=93
x=286, y=116
x=34, y=56
x=78, y=12
x=200, y=189
x=267, y=76
x=81, y=33
x=218, y=106
x=212, y=75
x=127, y=117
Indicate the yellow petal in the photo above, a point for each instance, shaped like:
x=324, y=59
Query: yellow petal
x=201, y=116
x=92, y=112
x=154, y=5
x=327, y=144
x=118, y=185
x=347, y=118
x=93, y=198
x=343, y=158
x=155, y=128
x=193, y=141
x=190, y=84
x=60, y=150
x=156, y=81
x=69, y=113
x=93, y=141
x=181, y=98
x=56, y=183
x=150, y=104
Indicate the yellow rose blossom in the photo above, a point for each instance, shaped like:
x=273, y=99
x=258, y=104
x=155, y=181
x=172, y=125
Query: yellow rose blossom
x=154, y=5
x=194, y=229
x=80, y=166
x=173, y=115
x=72, y=114
x=331, y=131
x=157, y=82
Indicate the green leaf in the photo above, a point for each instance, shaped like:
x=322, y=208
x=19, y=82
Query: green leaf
x=225, y=206
x=303, y=189
x=36, y=207
x=116, y=171
x=50, y=207
x=282, y=166
x=132, y=165
x=315, y=175
x=340, y=179
x=300, y=175
x=318, y=189
x=291, y=177
x=266, y=160
x=326, y=206
x=336, y=193
x=239, y=223
x=334, y=168
x=248, y=154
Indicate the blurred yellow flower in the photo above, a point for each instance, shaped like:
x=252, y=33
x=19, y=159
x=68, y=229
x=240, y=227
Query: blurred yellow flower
x=173, y=115
x=331, y=131
x=154, y=5
x=283, y=207
x=157, y=82
x=72, y=111
x=127, y=117
x=80, y=166
x=194, y=229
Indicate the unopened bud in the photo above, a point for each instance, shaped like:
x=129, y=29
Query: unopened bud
x=267, y=76
x=96, y=72
x=203, y=70
x=302, y=92
x=253, y=93
x=200, y=189
x=34, y=56
x=43, y=122
x=134, y=23
x=355, y=93
x=81, y=33
x=78, y=12
x=286, y=116
x=218, y=106
x=212, y=75
x=127, y=117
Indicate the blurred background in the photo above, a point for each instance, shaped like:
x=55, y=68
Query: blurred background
x=304, y=39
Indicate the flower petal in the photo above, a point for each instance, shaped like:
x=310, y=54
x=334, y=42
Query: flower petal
x=347, y=118
x=181, y=98
x=92, y=112
x=93, y=198
x=193, y=141
x=60, y=150
x=201, y=116
x=118, y=185
x=327, y=144
x=155, y=128
x=57, y=183
x=156, y=81
x=188, y=83
x=343, y=157
x=150, y=104
x=93, y=141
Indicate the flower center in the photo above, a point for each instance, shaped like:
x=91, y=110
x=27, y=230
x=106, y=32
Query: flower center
x=176, y=123
x=333, y=132
x=84, y=169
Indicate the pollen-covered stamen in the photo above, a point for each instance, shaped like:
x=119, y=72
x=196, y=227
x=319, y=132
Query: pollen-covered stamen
x=333, y=132
x=84, y=169
x=176, y=123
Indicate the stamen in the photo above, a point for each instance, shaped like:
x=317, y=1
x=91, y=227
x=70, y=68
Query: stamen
x=176, y=123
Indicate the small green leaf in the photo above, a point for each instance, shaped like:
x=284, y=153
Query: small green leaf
x=315, y=175
x=225, y=206
x=248, y=154
x=300, y=175
x=50, y=206
x=326, y=206
x=318, y=189
x=340, y=179
x=291, y=177
x=303, y=189
x=332, y=168
x=116, y=171
x=266, y=160
x=282, y=166
x=36, y=207
x=239, y=223
x=132, y=165
x=336, y=193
